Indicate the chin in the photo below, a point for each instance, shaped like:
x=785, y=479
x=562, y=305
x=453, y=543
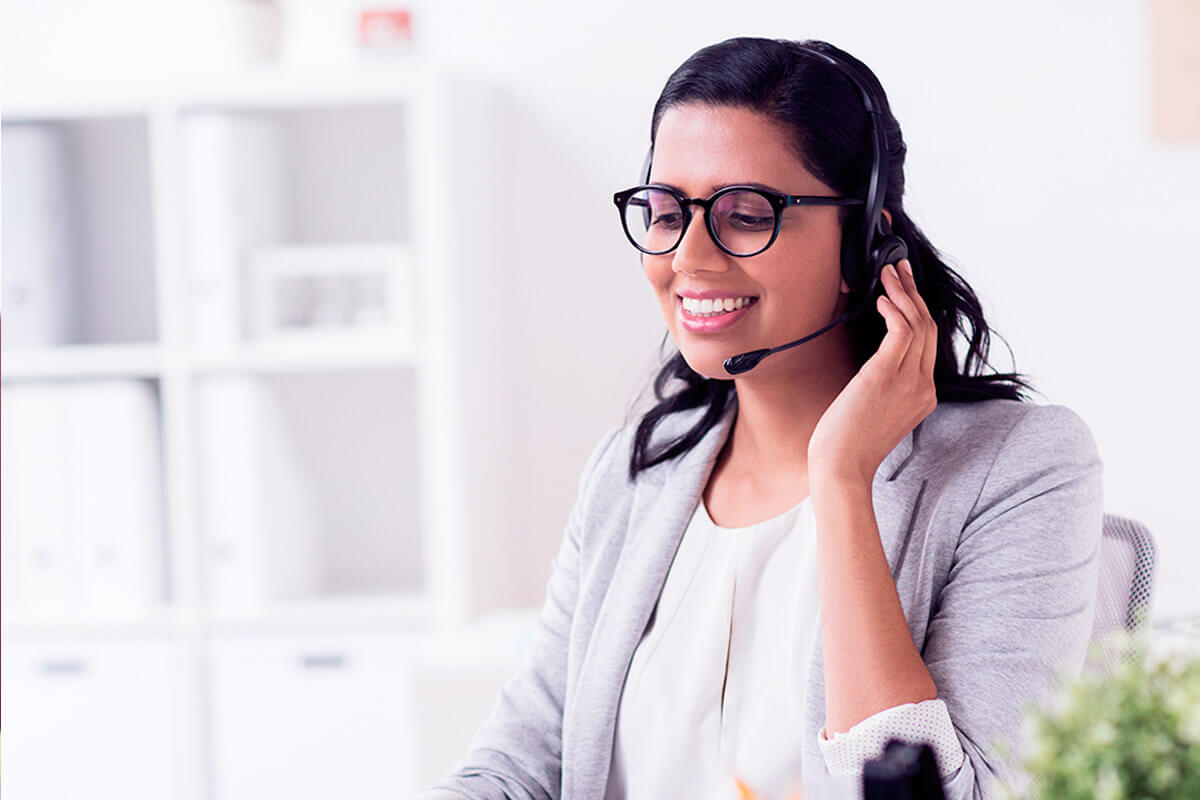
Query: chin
x=707, y=366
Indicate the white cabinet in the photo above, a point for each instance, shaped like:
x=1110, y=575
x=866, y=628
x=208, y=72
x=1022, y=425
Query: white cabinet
x=300, y=456
x=358, y=715
x=90, y=718
x=305, y=716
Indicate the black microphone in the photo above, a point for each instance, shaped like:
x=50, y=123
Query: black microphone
x=744, y=362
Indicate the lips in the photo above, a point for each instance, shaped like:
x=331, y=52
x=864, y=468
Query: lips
x=717, y=322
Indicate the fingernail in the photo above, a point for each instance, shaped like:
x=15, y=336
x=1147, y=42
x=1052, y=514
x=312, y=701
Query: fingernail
x=892, y=268
x=907, y=267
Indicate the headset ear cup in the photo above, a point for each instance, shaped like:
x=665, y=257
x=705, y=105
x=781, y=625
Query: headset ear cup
x=889, y=251
x=869, y=282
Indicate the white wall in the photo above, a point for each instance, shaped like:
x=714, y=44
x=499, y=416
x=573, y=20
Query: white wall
x=1031, y=165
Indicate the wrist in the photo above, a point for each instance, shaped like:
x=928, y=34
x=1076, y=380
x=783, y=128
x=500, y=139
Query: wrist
x=829, y=477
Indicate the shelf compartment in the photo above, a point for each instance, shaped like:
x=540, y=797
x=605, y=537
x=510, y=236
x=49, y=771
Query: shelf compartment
x=78, y=246
x=83, y=514
x=308, y=489
x=261, y=185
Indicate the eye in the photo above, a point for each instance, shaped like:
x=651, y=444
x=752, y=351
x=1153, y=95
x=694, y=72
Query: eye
x=751, y=222
x=667, y=220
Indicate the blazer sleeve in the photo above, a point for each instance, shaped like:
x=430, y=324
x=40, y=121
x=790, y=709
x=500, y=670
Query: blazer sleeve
x=1015, y=615
x=517, y=753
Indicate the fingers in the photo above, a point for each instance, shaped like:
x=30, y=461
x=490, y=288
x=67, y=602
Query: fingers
x=929, y=353
x=902, y=291
x=899, y=338
x=908, y=317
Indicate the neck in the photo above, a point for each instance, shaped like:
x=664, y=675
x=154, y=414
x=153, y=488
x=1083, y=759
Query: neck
x=780, y=402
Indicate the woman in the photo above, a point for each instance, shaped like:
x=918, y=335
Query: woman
x=775, y=570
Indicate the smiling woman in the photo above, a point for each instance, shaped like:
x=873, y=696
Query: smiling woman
x=768, y=576
x=756, y=107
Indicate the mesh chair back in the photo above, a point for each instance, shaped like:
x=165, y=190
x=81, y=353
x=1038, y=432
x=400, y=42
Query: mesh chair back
x=1126, y=587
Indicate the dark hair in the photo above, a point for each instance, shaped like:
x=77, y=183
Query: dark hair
x=830, y=130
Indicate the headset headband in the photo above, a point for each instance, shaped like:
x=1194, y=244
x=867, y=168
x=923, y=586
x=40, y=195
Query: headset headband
x=874, y=220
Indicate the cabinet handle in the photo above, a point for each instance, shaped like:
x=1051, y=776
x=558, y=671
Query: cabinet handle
x=63, y=667
x=323, y=661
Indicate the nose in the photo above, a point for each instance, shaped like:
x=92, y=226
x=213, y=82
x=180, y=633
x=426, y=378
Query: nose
x=697, y=250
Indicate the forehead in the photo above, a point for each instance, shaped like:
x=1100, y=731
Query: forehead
x=698, y=147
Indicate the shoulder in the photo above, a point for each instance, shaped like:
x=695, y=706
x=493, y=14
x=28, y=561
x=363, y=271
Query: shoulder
x=606, y=472
x=1004, y=434
x=1024, y=473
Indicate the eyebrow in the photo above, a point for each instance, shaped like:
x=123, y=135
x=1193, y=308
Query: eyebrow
x=718, y=187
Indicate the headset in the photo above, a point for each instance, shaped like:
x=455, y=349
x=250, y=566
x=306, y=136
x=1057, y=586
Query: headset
x=880, y=245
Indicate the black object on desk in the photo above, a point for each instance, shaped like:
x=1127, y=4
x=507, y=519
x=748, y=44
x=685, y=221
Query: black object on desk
x=904, y=772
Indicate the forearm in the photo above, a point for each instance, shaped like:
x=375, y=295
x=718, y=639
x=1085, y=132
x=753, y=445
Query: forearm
x=871, y=661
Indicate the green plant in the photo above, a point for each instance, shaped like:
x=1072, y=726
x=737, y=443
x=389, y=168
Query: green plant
x=1132, y=733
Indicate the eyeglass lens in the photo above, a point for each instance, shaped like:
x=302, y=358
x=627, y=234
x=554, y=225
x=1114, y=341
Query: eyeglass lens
x=742, y=220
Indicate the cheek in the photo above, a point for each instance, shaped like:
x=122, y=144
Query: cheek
x=657, y=270
x=808, y=269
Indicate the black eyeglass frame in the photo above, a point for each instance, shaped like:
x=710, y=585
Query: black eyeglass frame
x=778, y=202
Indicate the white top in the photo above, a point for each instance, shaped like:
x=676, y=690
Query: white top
x=716, y=685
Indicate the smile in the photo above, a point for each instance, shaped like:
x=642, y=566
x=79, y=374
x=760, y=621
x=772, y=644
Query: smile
x=695, y=320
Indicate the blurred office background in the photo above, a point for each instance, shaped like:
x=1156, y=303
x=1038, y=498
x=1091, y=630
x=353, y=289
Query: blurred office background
x=313, y=311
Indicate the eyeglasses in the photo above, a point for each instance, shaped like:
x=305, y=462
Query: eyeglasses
x=742, y=220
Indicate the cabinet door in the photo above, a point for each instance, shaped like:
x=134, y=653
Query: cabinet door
x=297, y=716
x=89, y=718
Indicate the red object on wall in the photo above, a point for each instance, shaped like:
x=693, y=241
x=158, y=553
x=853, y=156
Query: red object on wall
x=384, y=27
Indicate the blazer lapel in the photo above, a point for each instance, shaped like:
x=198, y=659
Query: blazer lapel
x=658, y=518
x=661, y=509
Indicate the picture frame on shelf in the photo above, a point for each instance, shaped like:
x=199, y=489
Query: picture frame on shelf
x=331, y=291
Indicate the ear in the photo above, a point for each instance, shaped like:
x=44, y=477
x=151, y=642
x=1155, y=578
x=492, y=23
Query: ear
x=888, y=216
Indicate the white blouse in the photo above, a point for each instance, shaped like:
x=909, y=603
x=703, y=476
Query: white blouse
x=716, y=685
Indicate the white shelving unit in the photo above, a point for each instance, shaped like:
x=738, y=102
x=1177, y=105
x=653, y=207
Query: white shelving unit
x=312, y=544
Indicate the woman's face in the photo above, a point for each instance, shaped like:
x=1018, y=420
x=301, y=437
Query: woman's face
x=796, y=281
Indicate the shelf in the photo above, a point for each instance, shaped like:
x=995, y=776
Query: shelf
x=248, y=89
x=397, y=613
x=150, y=361
x=82, y=361
x=158, y=621
x=317, y=355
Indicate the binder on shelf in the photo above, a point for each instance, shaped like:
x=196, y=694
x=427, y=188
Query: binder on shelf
x=257, y=519
x=233, y=190
x=116, y=510
x=82, y=510
x=38, y=279
x=38, y=571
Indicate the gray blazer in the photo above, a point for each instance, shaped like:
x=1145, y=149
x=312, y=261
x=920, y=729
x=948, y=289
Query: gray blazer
x=990, y=515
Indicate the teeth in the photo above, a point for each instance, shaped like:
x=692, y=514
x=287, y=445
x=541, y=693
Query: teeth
x=710, y=308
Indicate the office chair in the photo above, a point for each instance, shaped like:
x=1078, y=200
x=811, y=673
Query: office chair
x=1126, y=588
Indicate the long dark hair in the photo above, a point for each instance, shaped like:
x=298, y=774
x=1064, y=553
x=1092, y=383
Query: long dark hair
x=830, y=133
